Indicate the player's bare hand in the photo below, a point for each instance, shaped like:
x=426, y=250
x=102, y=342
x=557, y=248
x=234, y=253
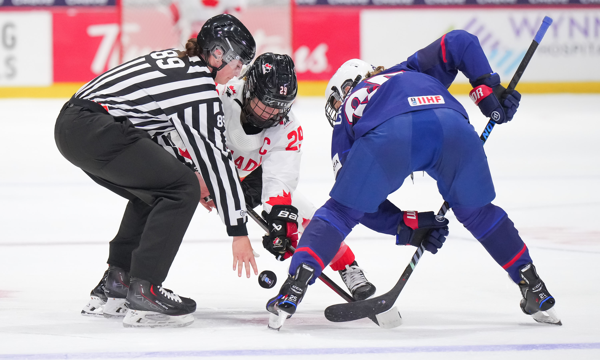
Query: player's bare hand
x=205, y=199
x=243, y=255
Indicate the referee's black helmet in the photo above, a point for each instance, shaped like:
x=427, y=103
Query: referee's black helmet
x=226, y=33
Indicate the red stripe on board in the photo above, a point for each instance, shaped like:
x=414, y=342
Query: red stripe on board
x=312, y=253
x=509, y=264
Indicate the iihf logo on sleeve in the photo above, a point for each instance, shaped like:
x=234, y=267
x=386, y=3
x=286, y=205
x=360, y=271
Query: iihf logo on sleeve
x=426, y=100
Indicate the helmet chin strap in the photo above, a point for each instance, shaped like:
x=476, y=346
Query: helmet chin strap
x=213, y=69
x=355, y=82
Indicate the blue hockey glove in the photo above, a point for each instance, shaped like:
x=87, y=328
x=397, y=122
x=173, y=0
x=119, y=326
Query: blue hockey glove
x=427, y=228
x=493, y=99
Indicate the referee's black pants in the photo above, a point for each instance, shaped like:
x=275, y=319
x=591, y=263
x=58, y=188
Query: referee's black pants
x=163, y=193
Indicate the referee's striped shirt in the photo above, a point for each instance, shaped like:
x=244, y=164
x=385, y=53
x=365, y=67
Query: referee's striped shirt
x=160, y=92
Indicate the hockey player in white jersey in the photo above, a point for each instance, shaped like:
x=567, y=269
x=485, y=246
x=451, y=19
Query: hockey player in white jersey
x=265, y=140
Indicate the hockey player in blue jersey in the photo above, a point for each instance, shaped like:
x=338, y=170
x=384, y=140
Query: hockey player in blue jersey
x=391, y=122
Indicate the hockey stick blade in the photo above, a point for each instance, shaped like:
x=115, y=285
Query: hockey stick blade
x=389, y=319
x=377, y=305
x=373, y=306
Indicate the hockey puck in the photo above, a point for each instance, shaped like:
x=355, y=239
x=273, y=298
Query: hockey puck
x=267, y=279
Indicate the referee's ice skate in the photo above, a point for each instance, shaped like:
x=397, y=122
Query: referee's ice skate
x=107, y=299
x=284, y=305
x=95, y=307
x=154, y=306
x=537, y=301
x=116, y=287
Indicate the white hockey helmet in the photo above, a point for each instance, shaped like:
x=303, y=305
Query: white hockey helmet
x=341, y=83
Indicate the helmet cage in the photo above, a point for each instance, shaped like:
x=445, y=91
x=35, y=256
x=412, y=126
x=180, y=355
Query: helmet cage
x=337, y=96
x=330, y=105
x=277, y=112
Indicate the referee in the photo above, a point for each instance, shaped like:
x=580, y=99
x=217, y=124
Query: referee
x=108, y=129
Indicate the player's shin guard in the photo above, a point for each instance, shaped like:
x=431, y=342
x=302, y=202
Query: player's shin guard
x=498, y=235
x=323, y=236
x=317, y=247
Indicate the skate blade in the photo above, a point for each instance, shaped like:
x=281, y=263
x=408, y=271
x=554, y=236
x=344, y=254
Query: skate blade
x=547, y=317
x=115, y=308
x=95, y=308
x=276, y=320
x=151, y=319
x=389, y=319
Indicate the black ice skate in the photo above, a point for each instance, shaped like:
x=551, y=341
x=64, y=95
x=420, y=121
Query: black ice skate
x=95, y=307
x=154, y=306
x=537, y=301
x=284, y=305
x=115, y=289
x=357, y=283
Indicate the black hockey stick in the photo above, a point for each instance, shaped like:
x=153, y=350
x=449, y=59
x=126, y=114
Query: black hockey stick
x=324, y=278
x=370, y=307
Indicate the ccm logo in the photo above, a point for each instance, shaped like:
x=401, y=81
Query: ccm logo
x=426, y=100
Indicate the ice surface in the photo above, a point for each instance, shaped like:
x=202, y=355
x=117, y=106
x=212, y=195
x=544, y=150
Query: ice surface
x=55, y=225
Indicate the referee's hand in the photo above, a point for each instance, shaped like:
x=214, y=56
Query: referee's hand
x=243, y=255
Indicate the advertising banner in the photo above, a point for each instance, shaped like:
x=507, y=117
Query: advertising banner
x=323, y=40
x=89, y=41
x=441, y=3
x=53, y=3
x=26, y=48
x=85, y=44
x=570, y=51
x=76, y=40
x=274, y=35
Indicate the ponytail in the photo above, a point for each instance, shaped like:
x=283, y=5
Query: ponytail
x=191, y=49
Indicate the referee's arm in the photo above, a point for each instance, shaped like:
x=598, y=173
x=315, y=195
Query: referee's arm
x=206, y=144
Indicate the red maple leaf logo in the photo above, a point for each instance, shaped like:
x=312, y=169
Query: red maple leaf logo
x=286, y=199
x=232, y=89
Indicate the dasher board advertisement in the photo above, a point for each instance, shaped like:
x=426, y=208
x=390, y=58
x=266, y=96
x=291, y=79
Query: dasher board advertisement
x=26, y=48
x=570, y=51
